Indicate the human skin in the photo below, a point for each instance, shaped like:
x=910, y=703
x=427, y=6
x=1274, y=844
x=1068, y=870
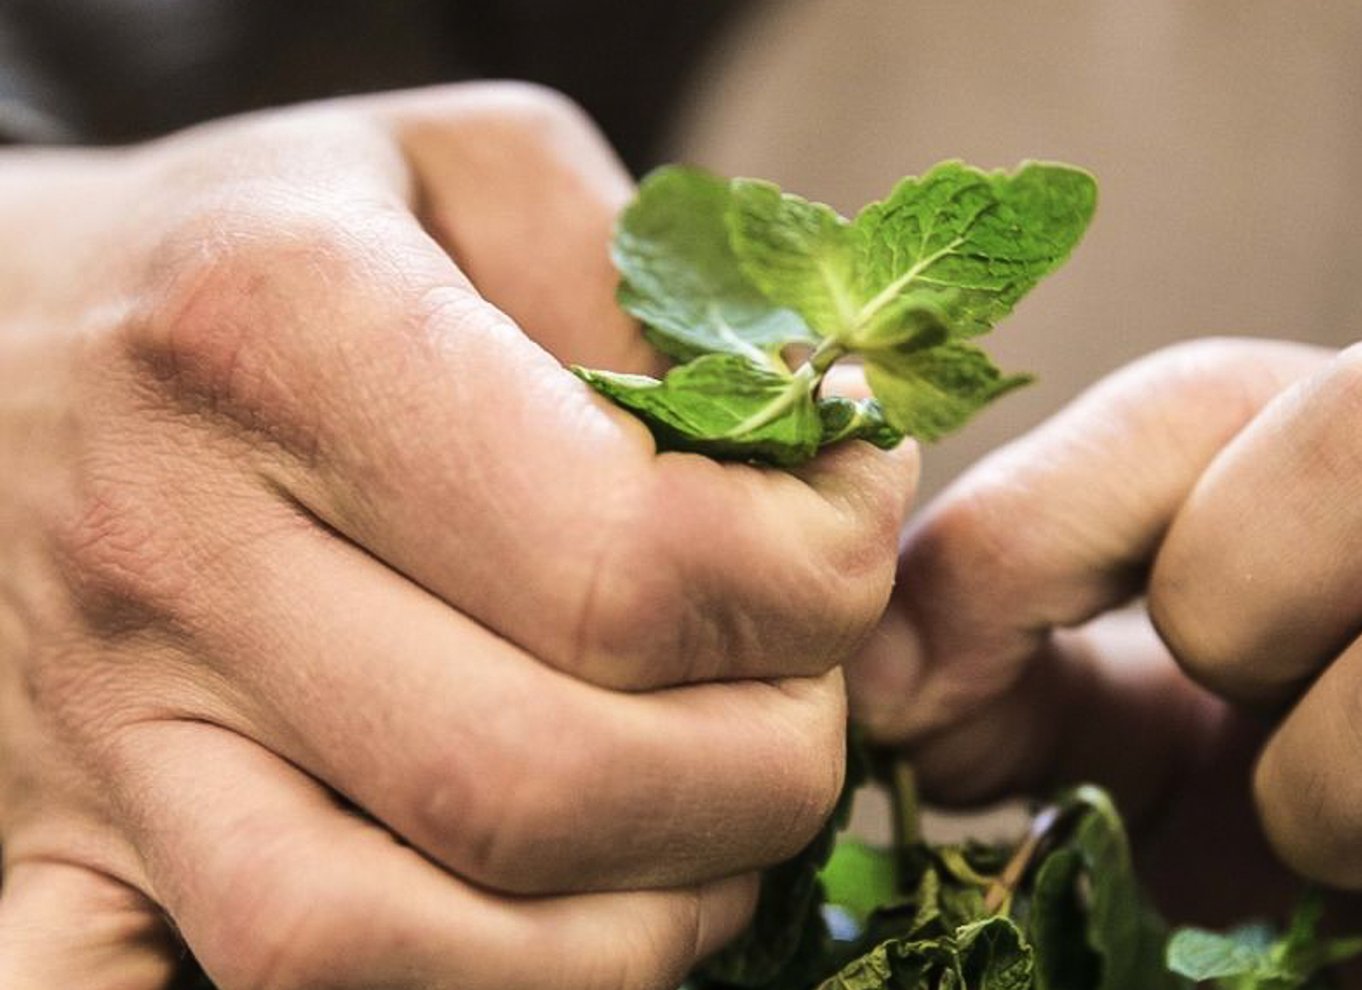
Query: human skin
x=1214, y=486
x=309, y=543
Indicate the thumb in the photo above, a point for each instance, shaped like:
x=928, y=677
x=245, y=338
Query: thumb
x=63, y=925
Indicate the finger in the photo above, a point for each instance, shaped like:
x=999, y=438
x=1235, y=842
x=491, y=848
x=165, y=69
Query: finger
x=1054, y=529
x=506, y=771
x=1306, y=784
x=286, y=890
x=405, y=412
x=1254, y=587
x=520, y=186
x=62, y=925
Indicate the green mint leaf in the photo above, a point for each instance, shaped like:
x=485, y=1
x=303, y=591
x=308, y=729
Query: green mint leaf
x=1244, y=954
x=859, y=878
x=1127, y=940
x=1251, y=957
x=680, y=278
x=928, y=393
x=722, y=405
x=1057, y=923
x=864, y=419
x=969, y=242
x=800, y=254
x=957, y=248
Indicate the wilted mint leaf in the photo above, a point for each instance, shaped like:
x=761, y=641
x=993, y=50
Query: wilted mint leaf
x=994, y=955
x=679, y=276
x=722, y=405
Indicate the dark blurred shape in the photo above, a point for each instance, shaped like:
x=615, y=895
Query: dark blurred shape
x=113, y=71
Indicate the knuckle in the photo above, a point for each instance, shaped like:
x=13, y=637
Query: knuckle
x=225, y=318
x=222, y=283
x=307, y=939
x=506, y=818
x=538, y=110
x=116, y=561
x=817, y=758
x=640, y=619
x=457, y=803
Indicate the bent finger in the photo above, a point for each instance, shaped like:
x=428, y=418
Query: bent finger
x=512, y=774
x=62, y=925
x=523, y=190
x=1307, y=785
x=1253, y=587
x=274, y=885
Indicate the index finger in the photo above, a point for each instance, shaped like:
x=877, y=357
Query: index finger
x=400, y=408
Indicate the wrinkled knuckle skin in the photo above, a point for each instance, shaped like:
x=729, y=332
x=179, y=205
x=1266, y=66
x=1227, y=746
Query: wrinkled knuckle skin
x=117, y=561
x=639, y=624
x=507, y=815
x=272, y=932
x=458, y=802
x=224, y=322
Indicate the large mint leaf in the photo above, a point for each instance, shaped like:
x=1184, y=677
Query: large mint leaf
x=971, y=242
x=680, y=278
x=722, y=405
x=957, y=246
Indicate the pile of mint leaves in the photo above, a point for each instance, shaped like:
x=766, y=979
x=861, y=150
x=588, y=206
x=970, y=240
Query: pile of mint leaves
x=755, y=294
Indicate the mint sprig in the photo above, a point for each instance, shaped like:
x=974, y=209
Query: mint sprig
x=739, y=269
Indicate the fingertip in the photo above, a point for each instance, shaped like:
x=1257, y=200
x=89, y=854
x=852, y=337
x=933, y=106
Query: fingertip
x=847, y=381
x=1298, y=812
x=867, y=481
x=881, y=676
x=723, y=909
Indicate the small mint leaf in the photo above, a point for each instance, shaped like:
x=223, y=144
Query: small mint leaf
x=703, y=406
x=927, y=393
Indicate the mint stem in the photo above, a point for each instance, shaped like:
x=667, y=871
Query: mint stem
x=803, y=382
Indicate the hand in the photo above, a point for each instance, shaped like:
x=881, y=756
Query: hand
x=309, y=543
x=1216, y=479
